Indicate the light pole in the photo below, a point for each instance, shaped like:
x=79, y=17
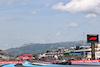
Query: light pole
x=84, y=44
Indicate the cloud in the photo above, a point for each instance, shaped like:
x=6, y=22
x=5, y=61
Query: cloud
x=16, y=2
x=93, y=22
x=76, y=6
x=18, y=38
x=58, y=33
x=10, y=2
x=43, y=41
x=13, y=18
x=46, y=5
x=6, y=45
x=73, y=25
x=91, y=16
x=34, y=12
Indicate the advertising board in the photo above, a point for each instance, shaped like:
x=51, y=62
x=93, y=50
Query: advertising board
x=92, y=38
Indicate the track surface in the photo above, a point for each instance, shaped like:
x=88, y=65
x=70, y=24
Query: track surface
x=27, y=64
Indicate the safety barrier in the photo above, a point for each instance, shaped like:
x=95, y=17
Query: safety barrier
x=11, y=62
x=84, y=61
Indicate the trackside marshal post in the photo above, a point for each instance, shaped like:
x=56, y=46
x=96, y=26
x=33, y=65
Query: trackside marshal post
x=92, y=38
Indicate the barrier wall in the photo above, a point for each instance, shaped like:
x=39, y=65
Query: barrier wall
x=84, y=61
x=11, y=62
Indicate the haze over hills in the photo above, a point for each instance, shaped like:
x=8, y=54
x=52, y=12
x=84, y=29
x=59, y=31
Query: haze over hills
x=36, y=48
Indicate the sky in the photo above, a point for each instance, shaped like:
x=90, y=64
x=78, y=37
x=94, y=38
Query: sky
x=47, y=21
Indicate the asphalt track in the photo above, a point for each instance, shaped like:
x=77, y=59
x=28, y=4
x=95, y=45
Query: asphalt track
x=27, y=64
x=52, y=65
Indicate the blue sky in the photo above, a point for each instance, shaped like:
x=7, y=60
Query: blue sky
x=47, y=21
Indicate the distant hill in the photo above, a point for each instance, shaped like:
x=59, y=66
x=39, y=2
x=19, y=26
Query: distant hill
x=41, y=48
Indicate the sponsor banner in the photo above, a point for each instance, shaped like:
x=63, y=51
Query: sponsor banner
x=24, y=58
x=84, y=61
x=92, y=38
x=97, y=53
x=62, y=51
x=74, y=54
x=27, y=54
x=11, y=62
